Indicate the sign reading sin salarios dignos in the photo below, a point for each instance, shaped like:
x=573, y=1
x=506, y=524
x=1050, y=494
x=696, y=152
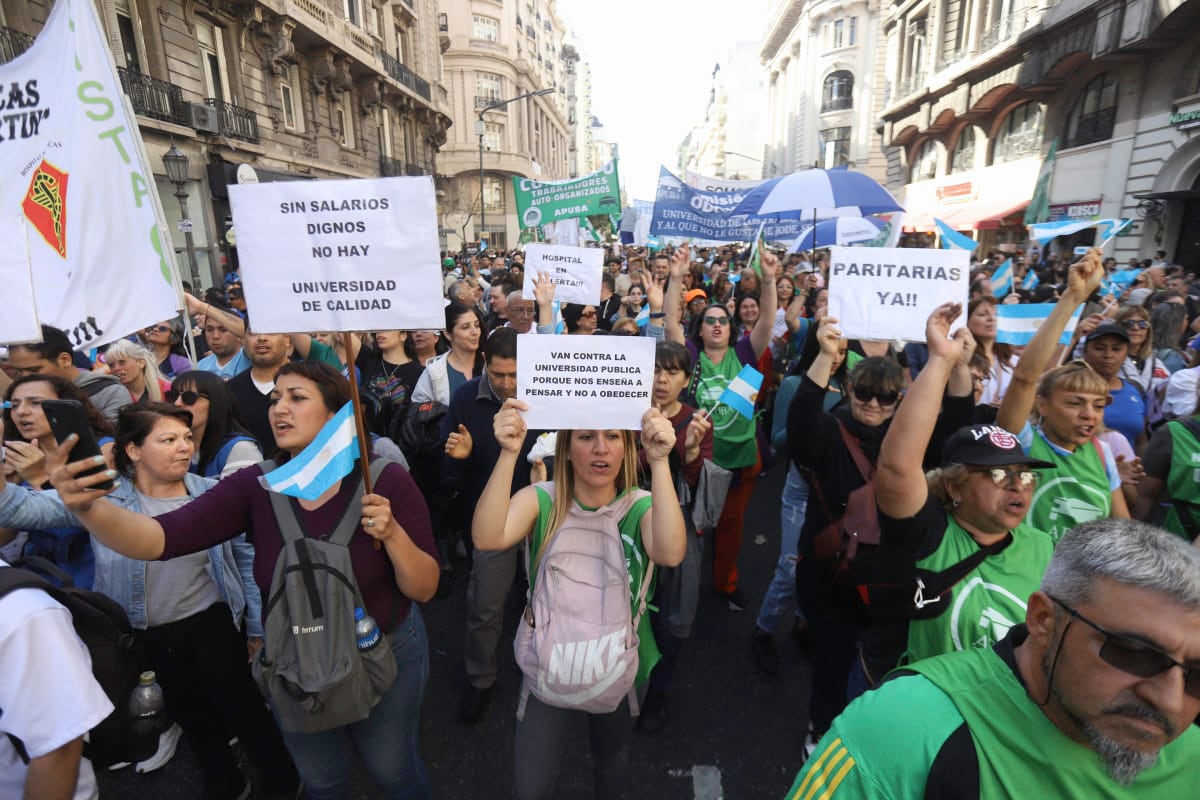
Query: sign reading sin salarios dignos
x=543, y=202
x=888, y=293
x=344, y=255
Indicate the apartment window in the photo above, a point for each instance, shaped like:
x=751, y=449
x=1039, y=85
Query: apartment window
x=963, y=157
x=493, y=136
x=835, y=147
x=924, y=164
x=485, y=28
x=837, y=92
x=488, y=85
x=853, y=31
x=130, y=41
x=386, y=146
x=838, y=31
x=353, y=11
x=212, y=61
x=493, y=194
x=343, y=121
x=1020, y=135
x=1094, y=113
x=289, y=100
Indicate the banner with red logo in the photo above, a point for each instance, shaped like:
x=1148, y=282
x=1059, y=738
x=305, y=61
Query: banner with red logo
x=73, y=171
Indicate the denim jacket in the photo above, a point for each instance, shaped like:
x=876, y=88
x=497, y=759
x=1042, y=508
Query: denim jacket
x=230, y=564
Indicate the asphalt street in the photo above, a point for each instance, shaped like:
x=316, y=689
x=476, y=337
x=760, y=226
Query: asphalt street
x=733, y=733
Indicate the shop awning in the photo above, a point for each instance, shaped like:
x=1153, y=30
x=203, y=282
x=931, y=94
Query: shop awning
x=983, y=215
x=919, y=221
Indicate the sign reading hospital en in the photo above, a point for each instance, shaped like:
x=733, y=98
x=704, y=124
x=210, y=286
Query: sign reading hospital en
x=888, y=293
x=574, y=270
x=544, y=202
x=347, y=255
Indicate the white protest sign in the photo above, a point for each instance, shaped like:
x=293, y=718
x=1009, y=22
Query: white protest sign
x=345, y=255
x=574, y=270
x=889, y=293
x=19, y=322
x=592, y=382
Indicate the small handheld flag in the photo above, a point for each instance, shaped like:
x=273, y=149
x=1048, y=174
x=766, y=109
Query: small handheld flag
x=953, y=240
x=756, y=251
x=643, y=316
x=1002, y=279
x=1032, y=281
x=1016, y=324
x=1106, y=229
x=329, y=458
x=742, y=391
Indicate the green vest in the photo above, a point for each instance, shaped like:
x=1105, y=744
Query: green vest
x=734, y=442
x=1183, y=478
x=1022, y=755
x=1074, y=491
x=988, y=601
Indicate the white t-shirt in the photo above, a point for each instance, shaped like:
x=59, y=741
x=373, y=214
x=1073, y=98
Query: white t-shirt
x=48, y=693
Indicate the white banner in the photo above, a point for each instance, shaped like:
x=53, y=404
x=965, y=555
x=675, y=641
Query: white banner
x=574, y=270
x=883, y=293
x=708, y=184
x=19, y=322
x=592, y=382
x=71, y=161
x=344, y=255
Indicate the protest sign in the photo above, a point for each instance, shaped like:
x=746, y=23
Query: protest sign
x=593, y=382
x=540, y=203
x=344, y=255
x=19, y=322
x=73, y=165
x=687, y=212
x=885, y=293
x=709, y=184
x=574, y=270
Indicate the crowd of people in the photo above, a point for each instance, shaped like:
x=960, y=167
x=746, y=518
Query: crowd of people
x=952, y=509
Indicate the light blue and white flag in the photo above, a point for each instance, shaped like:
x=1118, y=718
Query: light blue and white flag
x=1016, y=324
x=1124, y=277
x=643, y=316
x=952, y=239
x=329, y=458
x=1032, y=281
x=1002, y=279
x=742, y=391
x=1106, y=229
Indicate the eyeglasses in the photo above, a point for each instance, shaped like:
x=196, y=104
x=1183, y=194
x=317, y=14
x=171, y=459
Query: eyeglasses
x=864, y=395
x=519, y=311
x=1136, y=657
x=1136, y=324
x=157, y=329
x=189, y=398
x=715, y=321
x=589, y=314
x=1004, y=477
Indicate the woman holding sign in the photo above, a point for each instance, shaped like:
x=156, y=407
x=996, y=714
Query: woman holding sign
x=719, y=355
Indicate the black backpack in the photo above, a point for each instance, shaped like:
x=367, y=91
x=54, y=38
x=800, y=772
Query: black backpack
x=105, y=630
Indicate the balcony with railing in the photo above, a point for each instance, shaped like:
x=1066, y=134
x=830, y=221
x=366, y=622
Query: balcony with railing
x=234, y=121
x=414, y=169
x=909, y=85
x=1003, y=29
x=153, y=98
x=483, y=101
x=390, y=167
x=1096, y=126
x=837, y=103
x=405, y=76
x=947, y=60
x=12, y=44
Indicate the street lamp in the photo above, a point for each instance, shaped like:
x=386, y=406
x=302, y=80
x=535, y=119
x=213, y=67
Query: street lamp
x=479, y=129
x=176, y=163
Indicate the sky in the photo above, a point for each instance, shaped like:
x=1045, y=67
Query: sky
x=652, y=63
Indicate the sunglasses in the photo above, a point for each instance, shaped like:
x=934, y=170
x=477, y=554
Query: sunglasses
x=715, y=321
x=1135, y=657
x=189, y=398
x=157, y=329
x=1136, y=324
x=864, y=395
x=1004, y=477
x=588, y=314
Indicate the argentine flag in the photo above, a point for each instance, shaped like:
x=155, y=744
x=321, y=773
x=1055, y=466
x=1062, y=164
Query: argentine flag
x=953, y=240
x=1106, y=229
x=1002, y=279
x=1032, y=281
x=643, y=316
x=329, y=458
x=1016, y=324
x=742, y=391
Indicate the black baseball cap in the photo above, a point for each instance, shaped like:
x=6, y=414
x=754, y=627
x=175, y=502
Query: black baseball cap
x=987, y=446
x=1109, y=329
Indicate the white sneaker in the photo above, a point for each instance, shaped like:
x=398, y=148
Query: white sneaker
x=168, y=740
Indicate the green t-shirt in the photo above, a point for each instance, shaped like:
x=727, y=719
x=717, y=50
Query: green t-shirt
x=734, y=442
x=636, y=561
x=1183, y=478
x=323, y=353
x=1076, y=490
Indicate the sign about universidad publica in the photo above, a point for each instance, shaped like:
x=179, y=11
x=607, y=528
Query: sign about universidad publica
x=575, y=271
x=339, y=255
x=590, y=382
x=540, y=203
x=888, y=293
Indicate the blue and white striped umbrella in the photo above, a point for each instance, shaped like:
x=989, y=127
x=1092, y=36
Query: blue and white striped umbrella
x=837, y=231
x=824, y=193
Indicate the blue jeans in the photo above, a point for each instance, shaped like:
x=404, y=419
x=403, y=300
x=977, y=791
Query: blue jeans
x=386, y=740
x=781, y=594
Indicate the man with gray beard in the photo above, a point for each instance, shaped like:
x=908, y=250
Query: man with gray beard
x=1093, y=696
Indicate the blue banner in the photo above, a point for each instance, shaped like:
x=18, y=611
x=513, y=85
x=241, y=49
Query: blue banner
x=683, y=211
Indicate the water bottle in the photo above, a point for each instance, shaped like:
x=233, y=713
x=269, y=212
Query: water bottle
x=366, y=632
x=146, y=706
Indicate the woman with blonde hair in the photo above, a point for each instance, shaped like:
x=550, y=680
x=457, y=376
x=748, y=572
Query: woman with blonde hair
x=137, y=370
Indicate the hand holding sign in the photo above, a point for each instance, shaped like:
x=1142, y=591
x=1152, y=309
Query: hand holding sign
x=658, y=436
x=829, y=336
x=694, y=435
x=509, y=425
x=1085, y=275
x=937, y=333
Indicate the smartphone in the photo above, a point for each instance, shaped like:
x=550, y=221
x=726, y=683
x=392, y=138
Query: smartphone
x=67, y=417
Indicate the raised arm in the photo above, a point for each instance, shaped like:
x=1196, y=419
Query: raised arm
x=672, y=302
x=664, y=534
x=230, y=322
x=760, y=336
x=1082, y=280
x=900, y=489
x=543, y=292
x=501, y=520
